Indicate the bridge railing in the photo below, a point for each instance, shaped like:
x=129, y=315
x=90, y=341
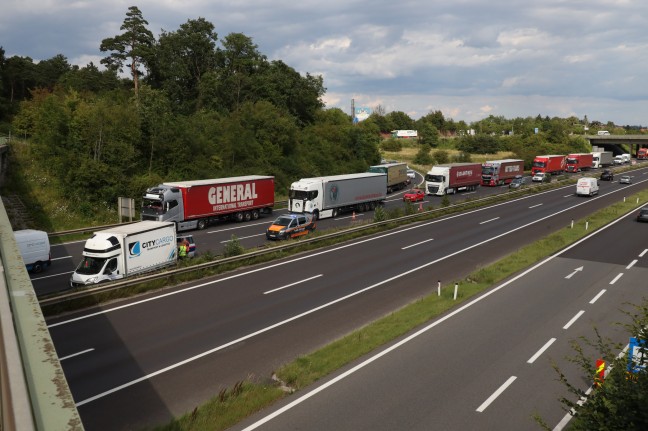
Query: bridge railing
x=33, y=390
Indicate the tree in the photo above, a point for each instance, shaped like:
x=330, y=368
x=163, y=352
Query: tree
x=400, y=120
x=135, y=44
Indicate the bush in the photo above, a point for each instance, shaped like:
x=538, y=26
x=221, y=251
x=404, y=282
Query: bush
x=393, y=145
x=233, y=247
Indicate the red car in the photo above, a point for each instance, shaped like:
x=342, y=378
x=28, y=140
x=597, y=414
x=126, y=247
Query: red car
x=414, y=195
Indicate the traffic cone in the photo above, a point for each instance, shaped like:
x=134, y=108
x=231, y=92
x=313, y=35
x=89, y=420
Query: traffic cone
x=420, y=206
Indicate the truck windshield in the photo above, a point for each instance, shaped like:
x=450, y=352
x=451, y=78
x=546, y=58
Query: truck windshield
x=152, y=207
x=488, y=170
x=302, y=194
x=539, y=164
x=91, y=265
x=572, y=161
x=434, y=178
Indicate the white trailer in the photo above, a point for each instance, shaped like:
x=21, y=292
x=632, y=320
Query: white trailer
x=602, y=159
x=329, y=196
x=126, y=250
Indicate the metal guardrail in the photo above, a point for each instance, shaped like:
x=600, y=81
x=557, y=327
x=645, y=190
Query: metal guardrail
x=35, y=394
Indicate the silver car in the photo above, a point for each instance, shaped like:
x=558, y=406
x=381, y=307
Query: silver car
x=625, y=179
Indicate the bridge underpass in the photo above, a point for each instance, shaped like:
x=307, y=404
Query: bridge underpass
x=619, y=144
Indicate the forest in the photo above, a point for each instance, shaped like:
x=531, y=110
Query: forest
x=196, y=106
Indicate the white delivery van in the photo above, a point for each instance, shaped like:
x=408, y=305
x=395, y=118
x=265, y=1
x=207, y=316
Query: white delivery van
x=34, y=248
x=587, y=187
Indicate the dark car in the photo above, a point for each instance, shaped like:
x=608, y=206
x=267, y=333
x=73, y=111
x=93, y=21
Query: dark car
x=607, y=175
x=643, y=214
x=516, y=183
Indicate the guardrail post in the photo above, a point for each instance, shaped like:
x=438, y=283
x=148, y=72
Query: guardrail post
x=439, y=288
x=455, y=291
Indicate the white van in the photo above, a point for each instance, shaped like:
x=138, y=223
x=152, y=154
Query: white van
x=603, y=132
x=34, y=248
x=587, y=186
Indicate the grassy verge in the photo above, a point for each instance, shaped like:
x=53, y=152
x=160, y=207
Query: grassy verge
x=303, y=371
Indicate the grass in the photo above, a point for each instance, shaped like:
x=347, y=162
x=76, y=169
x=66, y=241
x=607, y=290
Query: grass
x=309, y=368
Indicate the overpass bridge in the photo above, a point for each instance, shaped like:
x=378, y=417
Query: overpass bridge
x=34, y=394
x=616, y=143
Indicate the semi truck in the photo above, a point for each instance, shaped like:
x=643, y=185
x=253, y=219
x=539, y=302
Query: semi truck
x=642, y=153
x=197, y=204
x=578, y=162
x=498, y=172
x=329, y=196
x=124, y=251
x=397, y=178
x=549, y=164
x=601, y=159
x=452, y=177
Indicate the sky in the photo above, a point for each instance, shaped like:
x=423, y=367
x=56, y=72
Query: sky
x=466, y=58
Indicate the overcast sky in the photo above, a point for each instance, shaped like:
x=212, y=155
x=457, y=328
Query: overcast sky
x=467, y=58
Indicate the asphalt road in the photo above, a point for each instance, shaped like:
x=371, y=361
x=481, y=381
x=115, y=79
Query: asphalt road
x=488, y=364
x=143, y=361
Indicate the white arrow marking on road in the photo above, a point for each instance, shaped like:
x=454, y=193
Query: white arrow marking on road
x=579, y=269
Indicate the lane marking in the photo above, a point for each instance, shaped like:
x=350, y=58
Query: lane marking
x=577, y=270
x=496, y=394
x=573, y=319
x=568, y=196
x=240, y=226
x=535, y=206
x=488, y=221
x=76, y=354
x=62, y=257
x=541, y=351
x=631, y=264
x=242, y=237
x=616, y=278
x=293, y=284
x=418, y=243
x=597, y=296
x=50, y=276
x=643, y=253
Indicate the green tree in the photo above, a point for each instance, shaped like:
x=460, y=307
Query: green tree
x=239, y=60
x=134, y=45
x=400, y=120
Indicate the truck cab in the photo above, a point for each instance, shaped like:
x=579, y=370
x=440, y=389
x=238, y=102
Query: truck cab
x=162, y=203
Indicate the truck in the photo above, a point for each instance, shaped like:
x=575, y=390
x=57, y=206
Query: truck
x=577, y=162
x=397, y=178
x=550, y=164
x=601, y=159
x=197, y=204
x=126, y=250
x=642, y=153
x=498, y=172
x=406, y=134
x=329, y=196
x=621, y=159
x=452, y=177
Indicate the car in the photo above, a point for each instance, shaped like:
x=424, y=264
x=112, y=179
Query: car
x=625, y=179
x=414, y=195
x=191, y=252
x=643, y=214
x=607, y=175
x=411, y=174
x=291, y=226
x=516, y=183
x=541, y=177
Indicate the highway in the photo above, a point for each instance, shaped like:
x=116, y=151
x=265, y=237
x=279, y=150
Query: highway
x=156, y=356
x=488, y=364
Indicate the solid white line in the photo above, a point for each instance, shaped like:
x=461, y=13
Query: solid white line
x=418, y=243
x=239, y=226
x=643, y=253
x=488, y=221
x=597, y=296
x=631, y=264
x=62, y=257
x=496, y=394
x=575, y=318
x=75, y=354
x=616, y=278
x=293, y=284
x=535, y=206
x=541, y=351
x=242, y=237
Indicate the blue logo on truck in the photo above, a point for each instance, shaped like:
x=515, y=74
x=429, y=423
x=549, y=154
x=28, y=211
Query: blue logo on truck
x=134, y=249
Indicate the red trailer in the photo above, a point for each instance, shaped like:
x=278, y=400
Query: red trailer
x=549, y=164
x=498, y=172
x=642, y=153
x=579, y=162
x=196, y=204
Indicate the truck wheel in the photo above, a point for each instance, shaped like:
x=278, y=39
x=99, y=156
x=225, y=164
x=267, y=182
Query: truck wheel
x=37, y=267
x=316, y=214
x=238, y=217
x=255, y=214
x=247, y=216
x=202, y=224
